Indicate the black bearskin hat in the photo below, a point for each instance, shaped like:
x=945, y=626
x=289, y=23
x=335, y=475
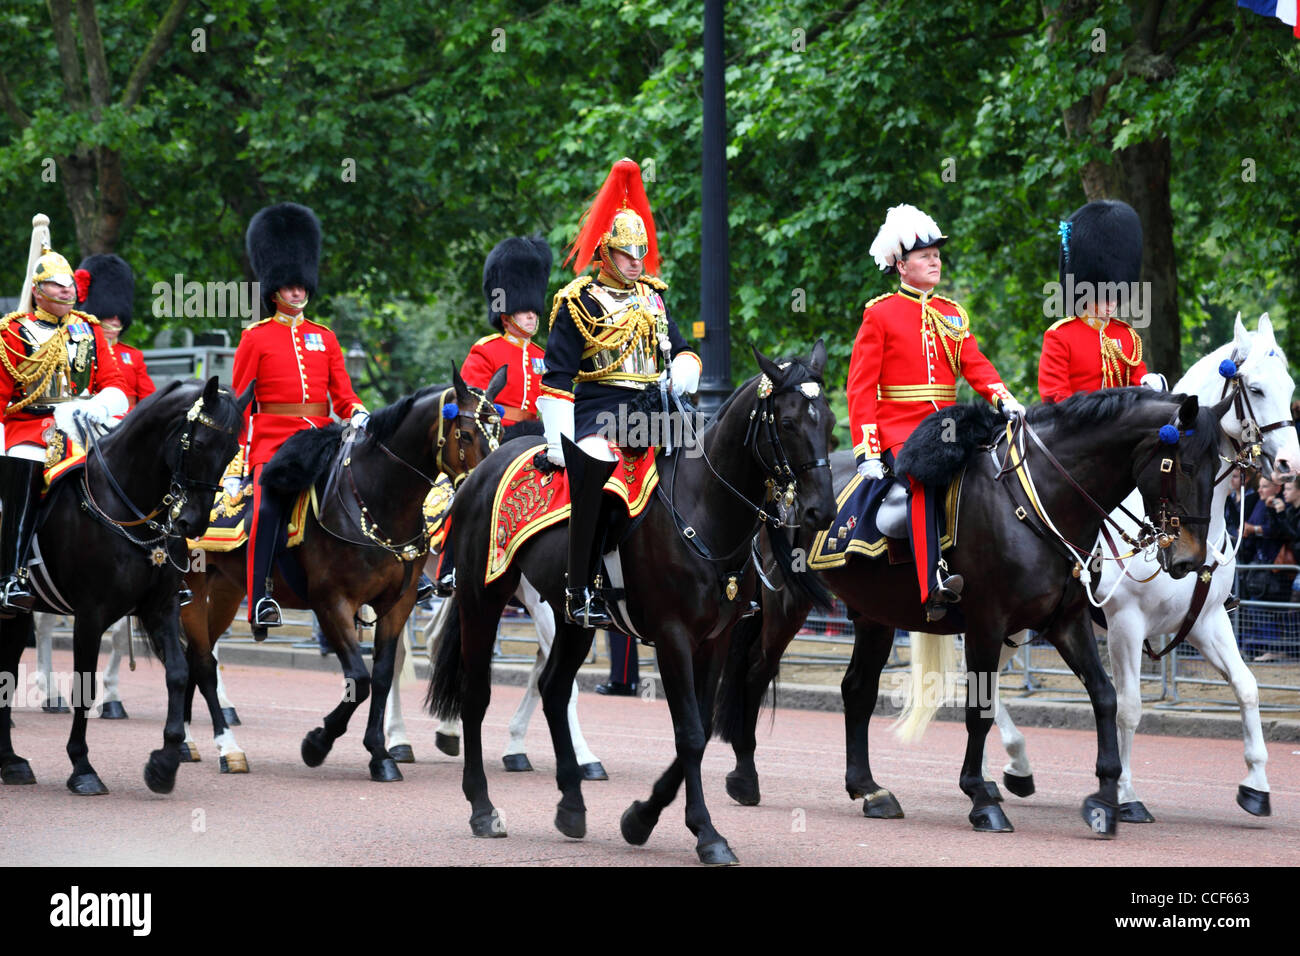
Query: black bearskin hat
x=515, y=276
x=283, y=245
x=1102, y=242
x=109, y=287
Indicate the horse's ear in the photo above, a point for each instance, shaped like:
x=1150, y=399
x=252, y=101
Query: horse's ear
x=766, y=365
x=457, y=382
x=1188, y=411
x=1265, y=328
x=210, y=390
x=818, y=361
x=247, y=398
x=1240, y=338
x=497, y=382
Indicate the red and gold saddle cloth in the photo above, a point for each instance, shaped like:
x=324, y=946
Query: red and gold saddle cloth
x=228, y=523
x=528, y=501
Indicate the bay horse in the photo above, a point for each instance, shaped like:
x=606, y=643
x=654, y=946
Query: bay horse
x=1144, y=605
x=347, y=559
x=687, y=577
x=101, y=557
x=1019, y=574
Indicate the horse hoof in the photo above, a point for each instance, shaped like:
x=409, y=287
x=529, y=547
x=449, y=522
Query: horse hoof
x=990, y=819
x=635, y=829
x=384, y=770
x=234, y=763
x=315, y=747
x=743, y=789
x=883, y=805
x=1254, y=802
x=516, y=763
x=190, y=752
x=17, y=773
x=1020, y=786
x=402, y=753
x=593, y=771
x=447, y=744
x=991, y=789
x=86, y=784
x=160, y=771
x=231, y=716
x=59, y=706
x=1102, y=818
x=717, y=854
x=487, y=824
x=112, y=710
x=572, y=823
x=1135, y=811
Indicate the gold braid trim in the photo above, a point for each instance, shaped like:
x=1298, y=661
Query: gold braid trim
x=35, y=371
x=943, y=330
x=636, y=325
x=1113, y=360
x=568, y=294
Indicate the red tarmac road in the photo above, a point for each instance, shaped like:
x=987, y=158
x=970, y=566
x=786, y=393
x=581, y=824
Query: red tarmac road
x=286, y=813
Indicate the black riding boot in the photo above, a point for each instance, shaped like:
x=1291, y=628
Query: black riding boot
x=583, y=604
x=445, y=586
x=20, y=481
x=266, y=611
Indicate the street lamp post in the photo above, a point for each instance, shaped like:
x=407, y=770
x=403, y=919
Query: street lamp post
x=715, y=277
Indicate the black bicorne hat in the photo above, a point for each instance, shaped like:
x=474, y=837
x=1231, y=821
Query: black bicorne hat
x=284, y=244
x=515, y=276
x=1102, y=242
x=111, y=287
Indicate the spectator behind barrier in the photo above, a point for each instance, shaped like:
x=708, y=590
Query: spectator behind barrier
x=1232, y=511
x=1269, y=539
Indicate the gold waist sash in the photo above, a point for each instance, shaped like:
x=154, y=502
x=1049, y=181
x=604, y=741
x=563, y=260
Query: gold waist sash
x=917, y=393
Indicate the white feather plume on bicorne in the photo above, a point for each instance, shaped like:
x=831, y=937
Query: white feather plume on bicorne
x=904, y=225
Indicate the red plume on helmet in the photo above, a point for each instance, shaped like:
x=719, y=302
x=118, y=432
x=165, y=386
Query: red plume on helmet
x=623, y=188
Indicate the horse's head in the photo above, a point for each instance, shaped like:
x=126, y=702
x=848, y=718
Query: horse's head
x=470, y=427
x=794, y=424
x=1256, y=377
x=1174, y=469
x=200, y=445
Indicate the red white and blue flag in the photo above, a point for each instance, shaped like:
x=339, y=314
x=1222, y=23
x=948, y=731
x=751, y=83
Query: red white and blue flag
x=1284, y=10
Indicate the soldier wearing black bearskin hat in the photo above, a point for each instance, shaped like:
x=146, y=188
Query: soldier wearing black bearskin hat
x=106, y=288
x=1100, y=264
x=299, y=370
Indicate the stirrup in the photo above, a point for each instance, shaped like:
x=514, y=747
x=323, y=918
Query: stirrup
x=586, y=608
x=267, y=613
x=184, y=595
x=14, y=596
x=444, y=587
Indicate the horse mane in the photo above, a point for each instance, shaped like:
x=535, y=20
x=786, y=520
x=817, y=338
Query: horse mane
x=167, y=404
x=1090, y=409
x=802, y=372
x=384, y=422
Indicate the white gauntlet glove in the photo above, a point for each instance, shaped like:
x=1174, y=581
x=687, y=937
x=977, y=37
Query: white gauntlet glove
x=557, y=420
x=232, y=486
x=1010, y=407
x=873, y=469
x=1155, y=381
x=359, y=420
x=685, y=373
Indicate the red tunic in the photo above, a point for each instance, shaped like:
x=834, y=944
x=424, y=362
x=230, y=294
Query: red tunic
x=900, y=371
x=1072, y=358
x=300, y=364
x=138, y=383
x=25, y=427
x=523, y=380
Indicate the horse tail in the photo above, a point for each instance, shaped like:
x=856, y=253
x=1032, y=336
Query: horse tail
x=746, y=646
x=932, y=654
x=447, y=682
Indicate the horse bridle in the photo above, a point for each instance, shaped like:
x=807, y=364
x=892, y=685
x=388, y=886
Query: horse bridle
x=416, y=546
x=173, y=502
x=1250, y=446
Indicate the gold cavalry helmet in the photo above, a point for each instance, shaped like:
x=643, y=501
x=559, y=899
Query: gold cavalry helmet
x=619, y=217
x=52, y=267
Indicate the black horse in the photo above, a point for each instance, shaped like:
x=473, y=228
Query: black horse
x=1017, y=576
x=689, y=577
x=111, y=539
x=367, y=546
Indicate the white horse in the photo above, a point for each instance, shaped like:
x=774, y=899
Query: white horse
x=448, y=732
x=1142, y=607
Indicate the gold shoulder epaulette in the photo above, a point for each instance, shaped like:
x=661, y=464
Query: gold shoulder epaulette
x=655, y=282
x=570, y=291
x=879, y=298
x=486, y=339
x=1060, y=322
x=84, y=315
x=4, y=322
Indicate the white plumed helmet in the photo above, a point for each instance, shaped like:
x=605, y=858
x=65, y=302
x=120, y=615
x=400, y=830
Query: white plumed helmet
x=906, y=228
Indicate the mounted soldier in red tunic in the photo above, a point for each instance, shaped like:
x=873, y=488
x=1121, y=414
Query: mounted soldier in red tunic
x=1100, y=265
x=299, y=372
x=58, y=383
x=907, y=357
x=106, y=290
